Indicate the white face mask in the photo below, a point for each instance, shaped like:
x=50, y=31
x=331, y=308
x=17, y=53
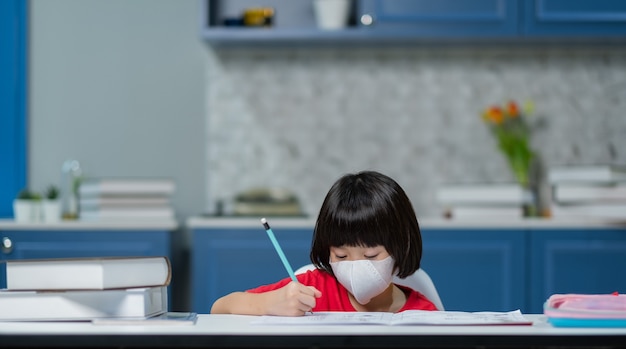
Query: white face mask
x=364, y=278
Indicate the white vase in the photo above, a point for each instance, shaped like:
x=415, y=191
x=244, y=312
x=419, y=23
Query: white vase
x=27, y=211
x=331, y=14
x=51, y=211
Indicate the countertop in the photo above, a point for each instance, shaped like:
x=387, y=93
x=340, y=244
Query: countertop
x=425, y=223
x=298, y=222
x=166, y=224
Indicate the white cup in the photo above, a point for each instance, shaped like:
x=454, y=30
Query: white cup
x=331, y=14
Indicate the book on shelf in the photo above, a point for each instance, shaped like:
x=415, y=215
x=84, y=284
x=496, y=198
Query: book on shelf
x=82, y=305
x=589, y=173
x=592, y=192
x=591, y=210
x=86, y=273
x=126, y=186
x=127, y=213
x=105, y=202
x=511, y=194
x=462, y=212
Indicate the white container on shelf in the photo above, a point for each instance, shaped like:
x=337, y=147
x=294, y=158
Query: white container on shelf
x=51, y=210
x=27, y=211
x=331, y=14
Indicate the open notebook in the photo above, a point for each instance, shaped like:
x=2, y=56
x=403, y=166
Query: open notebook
x=408, y=317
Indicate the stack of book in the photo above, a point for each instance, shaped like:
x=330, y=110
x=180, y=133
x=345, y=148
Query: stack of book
x=84, y=289
x=588, y=191
x=482, y=200
x=115, y=199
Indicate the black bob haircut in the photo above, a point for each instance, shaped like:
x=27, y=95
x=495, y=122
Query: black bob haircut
x=368, y=209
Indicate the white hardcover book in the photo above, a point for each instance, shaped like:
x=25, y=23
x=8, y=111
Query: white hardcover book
x=127, y=213
x=610, y=211
x=126, y=186
x=463, y=212
x=595, y=173
x=122, y=202
x=86, y=305
x=87, y=273
x=511, y=194
x=573, y=192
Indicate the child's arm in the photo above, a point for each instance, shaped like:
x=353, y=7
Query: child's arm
x=294, y=299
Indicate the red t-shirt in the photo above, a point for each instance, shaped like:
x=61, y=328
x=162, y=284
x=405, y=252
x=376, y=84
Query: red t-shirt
x=335, y=296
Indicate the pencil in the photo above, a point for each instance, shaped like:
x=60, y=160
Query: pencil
x=279, y=250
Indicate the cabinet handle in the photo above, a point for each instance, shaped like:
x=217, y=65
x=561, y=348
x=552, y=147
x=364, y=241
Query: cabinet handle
x=367, y=19
x=7, y=245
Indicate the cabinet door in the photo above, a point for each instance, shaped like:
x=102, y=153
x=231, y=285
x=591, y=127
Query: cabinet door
x=477, y=269
x=576, y=261
x=441, y=18
x=576, y=18
x=225, y=260
x=25, y=244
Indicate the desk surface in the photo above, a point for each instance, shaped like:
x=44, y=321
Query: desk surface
x=235, y=331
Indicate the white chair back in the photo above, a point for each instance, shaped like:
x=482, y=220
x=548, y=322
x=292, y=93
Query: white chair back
x=420, y=281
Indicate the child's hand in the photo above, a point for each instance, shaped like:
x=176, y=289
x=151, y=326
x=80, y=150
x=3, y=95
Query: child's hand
x=294, y=299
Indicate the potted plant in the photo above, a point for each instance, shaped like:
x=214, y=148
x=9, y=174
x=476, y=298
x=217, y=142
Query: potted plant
x=51, y=205
x=27, y=206
x=511, y=127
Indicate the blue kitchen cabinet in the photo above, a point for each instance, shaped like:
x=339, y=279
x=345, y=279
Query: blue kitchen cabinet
x=403, y=22
x=442, y=18
x=477, y=269
x=391, y=21
x=581, y=260
x=227, y=259
x=58, y=243
x=31, y=244
x=472, y=269
x=574, y=18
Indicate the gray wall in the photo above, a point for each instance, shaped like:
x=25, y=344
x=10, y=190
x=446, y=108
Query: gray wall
x=301, y=118
x=120, y=86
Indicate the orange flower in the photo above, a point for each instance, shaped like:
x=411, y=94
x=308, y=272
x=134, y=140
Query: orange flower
x=494, y=115
x=512, y=109
x=509, y=126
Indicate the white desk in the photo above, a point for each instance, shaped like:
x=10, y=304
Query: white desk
x=235, y=331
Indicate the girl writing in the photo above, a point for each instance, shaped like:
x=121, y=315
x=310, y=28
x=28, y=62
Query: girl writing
x=366, y=232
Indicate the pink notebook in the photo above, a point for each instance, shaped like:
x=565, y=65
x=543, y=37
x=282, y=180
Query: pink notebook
x=586, y=310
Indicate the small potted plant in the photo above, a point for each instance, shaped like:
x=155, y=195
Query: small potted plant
x=51, y=205
x=27, y=206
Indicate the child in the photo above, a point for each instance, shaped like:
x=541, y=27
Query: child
x=366, y=233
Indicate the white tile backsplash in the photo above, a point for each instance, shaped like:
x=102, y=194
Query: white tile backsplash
x=300, y=118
